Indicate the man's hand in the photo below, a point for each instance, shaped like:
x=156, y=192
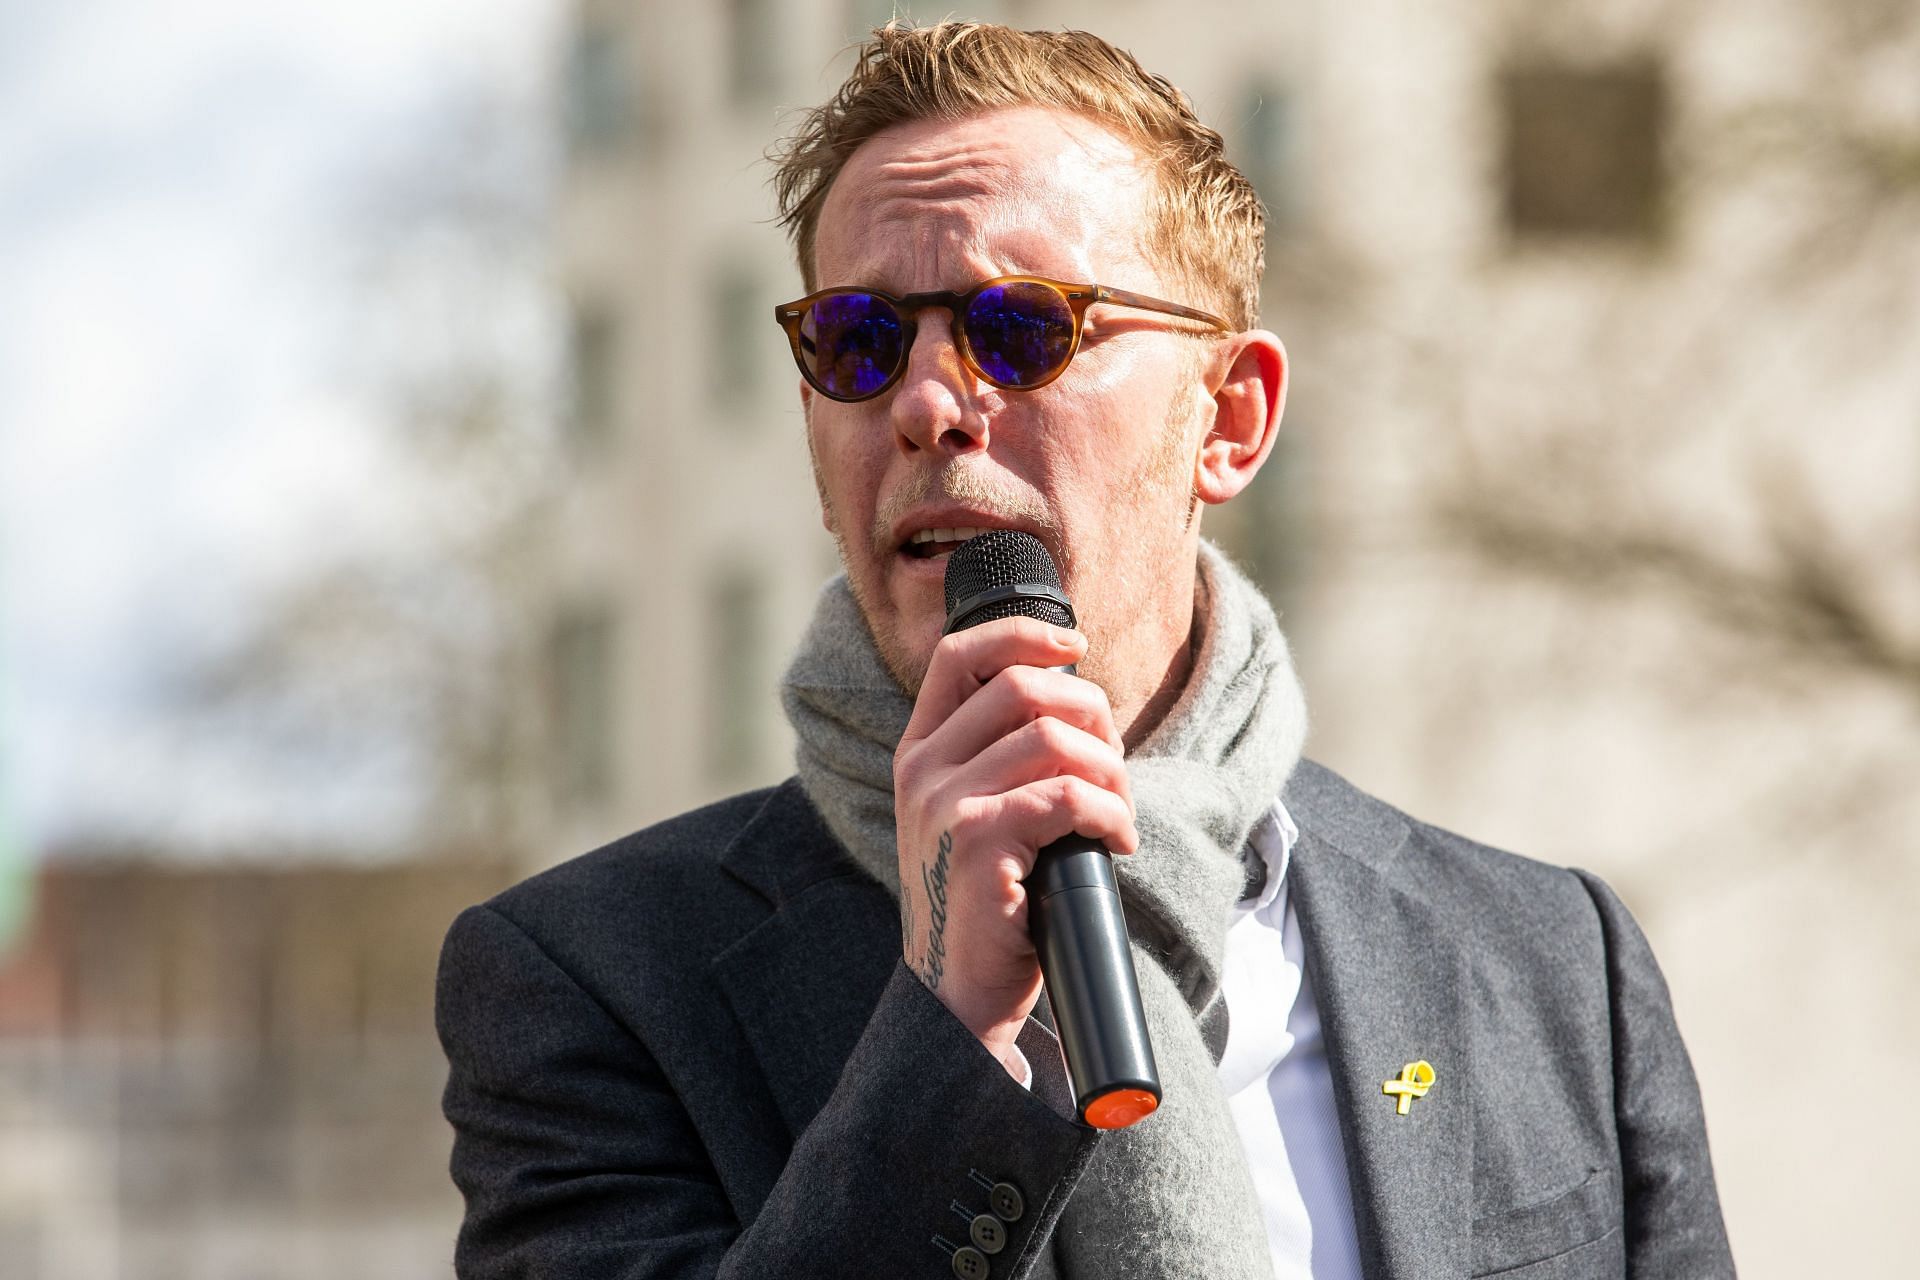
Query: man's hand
x=1002, y=757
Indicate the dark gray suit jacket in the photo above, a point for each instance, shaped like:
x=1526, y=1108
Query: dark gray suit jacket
x=696, y=1053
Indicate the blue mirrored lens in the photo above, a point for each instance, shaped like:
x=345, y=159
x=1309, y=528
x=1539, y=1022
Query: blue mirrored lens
x=851, y=343
x=1020, y=333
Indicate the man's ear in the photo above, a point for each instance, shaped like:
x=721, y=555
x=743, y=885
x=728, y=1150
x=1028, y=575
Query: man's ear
x=1251, y=392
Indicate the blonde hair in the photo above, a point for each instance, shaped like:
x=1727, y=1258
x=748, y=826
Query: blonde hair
x=1205, y=222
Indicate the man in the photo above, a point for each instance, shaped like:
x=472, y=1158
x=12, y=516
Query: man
x=802, y=1032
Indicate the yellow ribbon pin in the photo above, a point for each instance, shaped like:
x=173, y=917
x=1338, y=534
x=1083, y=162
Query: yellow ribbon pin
x=1413, y=1082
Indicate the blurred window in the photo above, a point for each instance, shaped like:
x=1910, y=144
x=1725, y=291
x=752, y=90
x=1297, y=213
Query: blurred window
x=1583, y=149
x=24, y=1229
x=581, y=656
x=599, y=91
x=741, y=330
x=1268, y=152
x=753, y=50
x=737, y=677
x=595, y=358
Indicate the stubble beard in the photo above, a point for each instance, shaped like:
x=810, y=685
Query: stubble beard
x=1156, y=500
x=1142, y=559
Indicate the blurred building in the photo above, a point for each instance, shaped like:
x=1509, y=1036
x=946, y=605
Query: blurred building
x=228, y=1074
x=1593, y=525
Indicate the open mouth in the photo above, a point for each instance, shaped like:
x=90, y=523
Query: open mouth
x=935, y=544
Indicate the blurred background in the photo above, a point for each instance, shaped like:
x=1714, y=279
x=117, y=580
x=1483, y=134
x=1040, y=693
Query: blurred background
x=402, y=489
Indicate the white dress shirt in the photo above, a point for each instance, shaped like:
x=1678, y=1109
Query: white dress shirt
x=1276, y=1078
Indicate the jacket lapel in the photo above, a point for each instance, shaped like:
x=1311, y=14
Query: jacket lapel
x=804, y=982
x=1388, y=979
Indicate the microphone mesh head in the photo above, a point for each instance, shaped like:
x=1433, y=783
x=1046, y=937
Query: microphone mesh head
x=1003, y=558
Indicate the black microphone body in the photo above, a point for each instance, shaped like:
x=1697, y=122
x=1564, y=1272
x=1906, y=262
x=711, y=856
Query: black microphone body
x=1073, y=901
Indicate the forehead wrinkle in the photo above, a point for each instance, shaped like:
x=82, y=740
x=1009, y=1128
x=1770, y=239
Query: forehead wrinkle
x=938, y=210
x=1009, y=225
x=957, y=246
x=966, y=176
x=939, y=169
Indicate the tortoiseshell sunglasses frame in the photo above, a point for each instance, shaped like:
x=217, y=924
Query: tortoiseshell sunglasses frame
x=790, y=315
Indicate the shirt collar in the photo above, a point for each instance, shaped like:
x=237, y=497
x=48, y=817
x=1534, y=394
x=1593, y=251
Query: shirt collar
x=1272, y=838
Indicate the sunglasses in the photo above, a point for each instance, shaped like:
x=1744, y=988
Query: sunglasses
x=1016, y=332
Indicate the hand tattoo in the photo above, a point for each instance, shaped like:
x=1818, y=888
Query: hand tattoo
x=934, y=879
x=906, y=922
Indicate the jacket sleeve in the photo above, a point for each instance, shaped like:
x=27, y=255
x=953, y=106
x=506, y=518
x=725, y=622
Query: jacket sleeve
x=577, y=1158
x=1670, y=1207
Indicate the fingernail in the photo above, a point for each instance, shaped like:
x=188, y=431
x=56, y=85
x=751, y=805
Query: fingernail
x=1064, y=637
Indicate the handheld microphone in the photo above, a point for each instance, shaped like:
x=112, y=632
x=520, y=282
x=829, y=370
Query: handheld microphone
x=1073, y=901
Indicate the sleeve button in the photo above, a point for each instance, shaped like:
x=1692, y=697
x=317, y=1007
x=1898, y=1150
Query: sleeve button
x=1006, y=1202
x=988, y=1233
x=970, y=1264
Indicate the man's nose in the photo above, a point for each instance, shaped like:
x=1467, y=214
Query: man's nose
x=936, y=404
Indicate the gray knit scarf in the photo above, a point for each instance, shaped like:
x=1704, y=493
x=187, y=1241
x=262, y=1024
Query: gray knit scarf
x=1169, y=1198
